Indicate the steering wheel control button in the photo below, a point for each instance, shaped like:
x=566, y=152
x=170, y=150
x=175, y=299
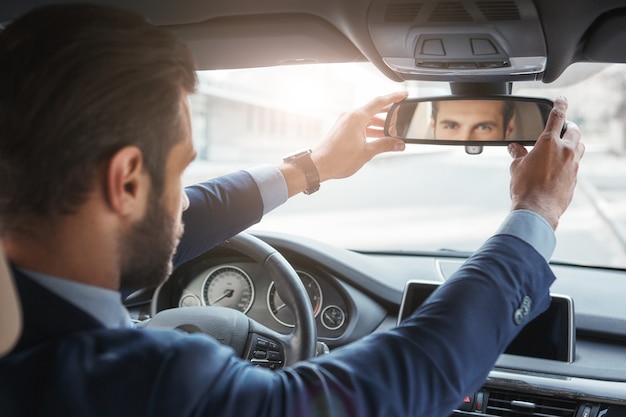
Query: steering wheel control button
x=523, y=311
x=266, y=354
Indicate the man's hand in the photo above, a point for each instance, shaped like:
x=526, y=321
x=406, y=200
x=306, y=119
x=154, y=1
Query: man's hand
x=346, y=147
x=543, y=179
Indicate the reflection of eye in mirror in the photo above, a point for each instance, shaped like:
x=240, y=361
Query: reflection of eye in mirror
x=462, y=121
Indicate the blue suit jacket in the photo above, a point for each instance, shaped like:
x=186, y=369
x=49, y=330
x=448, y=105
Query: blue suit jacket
x=68, y=364
x=218, y=210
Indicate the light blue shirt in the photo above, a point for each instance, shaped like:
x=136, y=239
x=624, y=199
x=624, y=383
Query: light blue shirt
x=531, y=228
x=102, y=304
x=272, y=186
x=106, y=305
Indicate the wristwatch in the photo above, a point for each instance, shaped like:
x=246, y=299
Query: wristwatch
x=302, y=160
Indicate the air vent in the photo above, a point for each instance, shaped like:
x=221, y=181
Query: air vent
x=511, y=404
x=402, y=12
x=499, y=10
x=450, y=11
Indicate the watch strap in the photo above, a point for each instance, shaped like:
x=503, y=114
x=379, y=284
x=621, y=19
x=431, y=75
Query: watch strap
x=302, y=160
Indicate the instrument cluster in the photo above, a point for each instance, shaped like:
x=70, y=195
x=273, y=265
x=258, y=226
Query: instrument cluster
x=251, y=291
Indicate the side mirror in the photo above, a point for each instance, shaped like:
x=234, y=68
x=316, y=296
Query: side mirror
x=469, y=121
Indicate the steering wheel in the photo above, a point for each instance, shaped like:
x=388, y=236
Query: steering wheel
x=250, y=339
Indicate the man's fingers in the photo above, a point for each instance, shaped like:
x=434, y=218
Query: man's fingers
x=387, y=107
x=373, y=132
x=379, y=103
x=517, y=151
x=385, y=144
x=376, y=121
x=572, y=134
x=556, y=118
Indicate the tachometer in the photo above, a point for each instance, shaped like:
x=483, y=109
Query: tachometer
x=228, y=286
x=279, y=310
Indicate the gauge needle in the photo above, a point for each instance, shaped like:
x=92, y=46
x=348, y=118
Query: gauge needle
x=330, y=318
x=280, y=307
x=227, y=294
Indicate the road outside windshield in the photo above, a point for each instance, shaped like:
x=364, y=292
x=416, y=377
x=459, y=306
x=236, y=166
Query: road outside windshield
x=428, y=197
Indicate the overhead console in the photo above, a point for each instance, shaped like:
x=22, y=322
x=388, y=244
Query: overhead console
x=459, y=41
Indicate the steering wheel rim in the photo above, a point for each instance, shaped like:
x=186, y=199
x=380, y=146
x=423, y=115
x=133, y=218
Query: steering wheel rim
x=297, y=345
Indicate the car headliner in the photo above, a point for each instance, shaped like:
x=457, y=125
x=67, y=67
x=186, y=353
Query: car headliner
x=249, y=33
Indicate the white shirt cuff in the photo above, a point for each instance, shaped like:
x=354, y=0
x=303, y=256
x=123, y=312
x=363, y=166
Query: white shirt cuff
x=272, y=186
x=531, y=228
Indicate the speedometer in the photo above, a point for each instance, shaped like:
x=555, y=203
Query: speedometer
x=228, y=286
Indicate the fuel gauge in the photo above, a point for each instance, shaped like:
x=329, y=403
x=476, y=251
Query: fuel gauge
x=333, y=317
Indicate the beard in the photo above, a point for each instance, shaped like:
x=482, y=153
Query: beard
x=148, y=248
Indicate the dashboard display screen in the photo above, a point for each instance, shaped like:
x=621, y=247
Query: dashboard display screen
x=549, y=336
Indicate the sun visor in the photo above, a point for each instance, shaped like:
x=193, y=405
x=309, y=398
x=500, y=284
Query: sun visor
x=459, y=41
x=606, y=39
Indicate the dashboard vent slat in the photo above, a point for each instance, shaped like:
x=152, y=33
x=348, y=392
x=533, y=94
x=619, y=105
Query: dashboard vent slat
x=402, y=12
x=499, y=10
x=510, y=404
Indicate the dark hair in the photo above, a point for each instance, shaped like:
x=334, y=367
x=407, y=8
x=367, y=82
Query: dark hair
x=78, y=83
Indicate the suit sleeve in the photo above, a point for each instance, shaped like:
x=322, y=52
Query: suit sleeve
x=424, y=367
x=218, y=209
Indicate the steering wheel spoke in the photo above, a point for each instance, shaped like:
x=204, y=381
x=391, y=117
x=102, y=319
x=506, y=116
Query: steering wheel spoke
x=250, y=339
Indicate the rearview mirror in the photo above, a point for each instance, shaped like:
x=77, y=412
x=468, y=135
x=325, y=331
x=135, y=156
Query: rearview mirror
x=468, y=121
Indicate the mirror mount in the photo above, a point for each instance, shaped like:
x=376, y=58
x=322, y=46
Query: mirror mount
x=481, y=89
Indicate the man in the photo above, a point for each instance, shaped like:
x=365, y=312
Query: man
x=107, y=96
x=473, y=119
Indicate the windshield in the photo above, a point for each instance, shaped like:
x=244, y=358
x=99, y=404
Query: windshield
x=428, y=197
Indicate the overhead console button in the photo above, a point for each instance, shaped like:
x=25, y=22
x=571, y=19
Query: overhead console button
x=433, y=47
x=483, y=47
x=436, y=40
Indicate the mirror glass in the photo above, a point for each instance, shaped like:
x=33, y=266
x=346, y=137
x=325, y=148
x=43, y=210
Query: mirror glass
x=468, y=120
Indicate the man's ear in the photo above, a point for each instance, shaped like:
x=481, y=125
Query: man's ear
x=127, y=181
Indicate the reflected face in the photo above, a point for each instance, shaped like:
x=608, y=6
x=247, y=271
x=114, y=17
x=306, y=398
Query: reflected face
x=149, y=246
x=471, y=120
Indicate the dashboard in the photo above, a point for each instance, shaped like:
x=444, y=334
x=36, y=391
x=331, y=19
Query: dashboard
x=223, y=277
x=247, y=287
x=353, y=294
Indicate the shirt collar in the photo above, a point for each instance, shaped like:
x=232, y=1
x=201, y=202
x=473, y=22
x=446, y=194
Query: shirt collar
x=102, y=304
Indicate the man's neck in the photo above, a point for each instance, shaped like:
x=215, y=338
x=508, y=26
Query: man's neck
x=72, y=250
